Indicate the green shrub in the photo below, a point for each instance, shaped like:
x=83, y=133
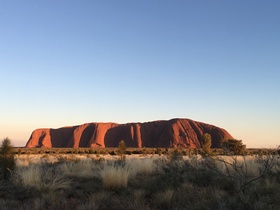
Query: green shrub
x=175, y=155
x=158, y=151
x=7, y=161
x=206, y=143
x=234, y=146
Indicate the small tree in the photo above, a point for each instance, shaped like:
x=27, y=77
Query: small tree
x=175, y=155
x=7, y=161
x=206, y=143
x=122, y=149
x=233, y=145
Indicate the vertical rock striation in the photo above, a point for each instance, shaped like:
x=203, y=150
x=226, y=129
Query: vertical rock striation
x=171, y=133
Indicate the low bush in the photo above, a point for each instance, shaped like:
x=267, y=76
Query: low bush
x=234, y=146
x=7, y=161
x=206, y=143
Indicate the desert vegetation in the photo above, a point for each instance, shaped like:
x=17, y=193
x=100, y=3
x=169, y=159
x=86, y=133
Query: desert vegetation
x=7, y=161
x=164, y=179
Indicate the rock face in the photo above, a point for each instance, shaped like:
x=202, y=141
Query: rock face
x=171, y=133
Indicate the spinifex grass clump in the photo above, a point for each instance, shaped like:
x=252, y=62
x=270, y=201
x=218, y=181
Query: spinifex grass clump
x=7, y=161
x=41, y=178
x=115, y=176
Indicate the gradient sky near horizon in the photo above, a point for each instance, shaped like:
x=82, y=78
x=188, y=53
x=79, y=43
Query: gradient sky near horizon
x=65, y=62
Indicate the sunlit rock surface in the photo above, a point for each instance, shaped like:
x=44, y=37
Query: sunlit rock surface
x=171, y=133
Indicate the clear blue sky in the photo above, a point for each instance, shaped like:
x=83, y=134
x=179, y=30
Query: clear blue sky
x=65, y=62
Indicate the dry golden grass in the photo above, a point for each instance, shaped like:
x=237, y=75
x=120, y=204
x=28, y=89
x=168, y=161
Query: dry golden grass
x=82, y=168
x=116, y=177
x=144, y=165
x=30, y=176
x=58, y=181
x=33, y=176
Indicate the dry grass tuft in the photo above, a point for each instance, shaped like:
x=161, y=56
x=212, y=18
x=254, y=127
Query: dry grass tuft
x=83, y=168
x=115, y=177
x=34, y=177
x=164, y=198
x=139, y=196
x=30, y=176
x=143, y=166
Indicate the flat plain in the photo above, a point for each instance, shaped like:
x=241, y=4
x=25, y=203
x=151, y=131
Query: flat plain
x=172, y=180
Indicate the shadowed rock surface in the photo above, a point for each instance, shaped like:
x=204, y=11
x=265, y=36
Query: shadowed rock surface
x=171, y=133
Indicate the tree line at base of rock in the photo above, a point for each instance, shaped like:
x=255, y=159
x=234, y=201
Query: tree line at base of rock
x=230, y=146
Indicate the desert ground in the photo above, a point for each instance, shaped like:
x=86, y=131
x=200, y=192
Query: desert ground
x=142, y=181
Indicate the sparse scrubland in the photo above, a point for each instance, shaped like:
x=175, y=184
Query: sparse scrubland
x=148, y=178
x=164, y=180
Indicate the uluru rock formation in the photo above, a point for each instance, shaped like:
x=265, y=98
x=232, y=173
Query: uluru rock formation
x=171, y=133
